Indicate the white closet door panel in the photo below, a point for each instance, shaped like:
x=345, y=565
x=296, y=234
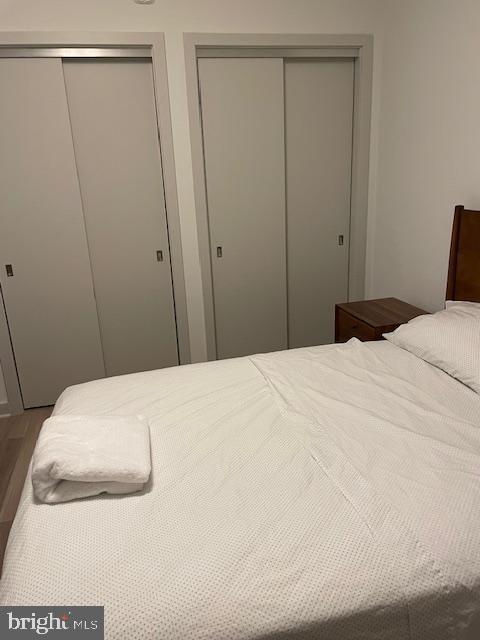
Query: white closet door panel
x=112, y=111
x=318, y=116
x=243, y=129
x=49, y=300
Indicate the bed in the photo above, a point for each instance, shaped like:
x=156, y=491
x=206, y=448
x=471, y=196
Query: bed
x=325, y=493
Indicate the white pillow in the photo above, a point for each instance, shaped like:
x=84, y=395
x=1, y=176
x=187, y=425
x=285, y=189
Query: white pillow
x=461, y=303
x=448, y=339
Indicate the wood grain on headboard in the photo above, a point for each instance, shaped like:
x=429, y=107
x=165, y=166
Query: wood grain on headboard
x=464, y=266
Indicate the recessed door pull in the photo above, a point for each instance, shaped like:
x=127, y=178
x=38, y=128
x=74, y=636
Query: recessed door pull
x=219, y=252
x=9, y=270
x=159, y=256
x=340, y=240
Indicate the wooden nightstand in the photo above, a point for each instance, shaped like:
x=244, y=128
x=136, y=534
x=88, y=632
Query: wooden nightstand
x=369, y=319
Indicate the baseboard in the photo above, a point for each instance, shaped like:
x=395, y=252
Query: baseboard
x=6, y=409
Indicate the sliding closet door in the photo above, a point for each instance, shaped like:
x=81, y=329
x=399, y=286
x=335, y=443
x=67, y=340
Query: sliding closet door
x=318, y=120
x=113, y=119
x=47, y=289
x=243, y=130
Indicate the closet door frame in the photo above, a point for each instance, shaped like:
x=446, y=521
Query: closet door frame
x=62, y=44
x=360, y=48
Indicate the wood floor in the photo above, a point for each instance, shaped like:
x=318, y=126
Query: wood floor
x=18, y=436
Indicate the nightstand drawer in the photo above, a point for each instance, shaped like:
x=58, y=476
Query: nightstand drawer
x=350, y=327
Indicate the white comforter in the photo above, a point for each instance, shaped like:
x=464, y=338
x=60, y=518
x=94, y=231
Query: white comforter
x=329, y=493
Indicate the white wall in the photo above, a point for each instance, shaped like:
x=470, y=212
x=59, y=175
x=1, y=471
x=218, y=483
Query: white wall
x=174, y=17
x=429, y=142
x=426, y=124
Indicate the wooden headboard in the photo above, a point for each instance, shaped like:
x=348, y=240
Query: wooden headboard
x=464, y=266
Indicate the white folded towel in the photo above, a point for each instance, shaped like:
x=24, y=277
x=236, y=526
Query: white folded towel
x=81, y=456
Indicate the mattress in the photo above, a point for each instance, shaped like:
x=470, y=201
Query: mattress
x=329, y=492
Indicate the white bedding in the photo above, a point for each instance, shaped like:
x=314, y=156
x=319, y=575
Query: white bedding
x=84, y=456
x=328, y=493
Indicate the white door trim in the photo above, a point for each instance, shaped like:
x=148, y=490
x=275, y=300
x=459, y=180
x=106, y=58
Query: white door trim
x=153, y=45
x=14, y=402
x=285, y=45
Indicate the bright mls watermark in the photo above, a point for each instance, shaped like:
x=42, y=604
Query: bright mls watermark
x=59, y=622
